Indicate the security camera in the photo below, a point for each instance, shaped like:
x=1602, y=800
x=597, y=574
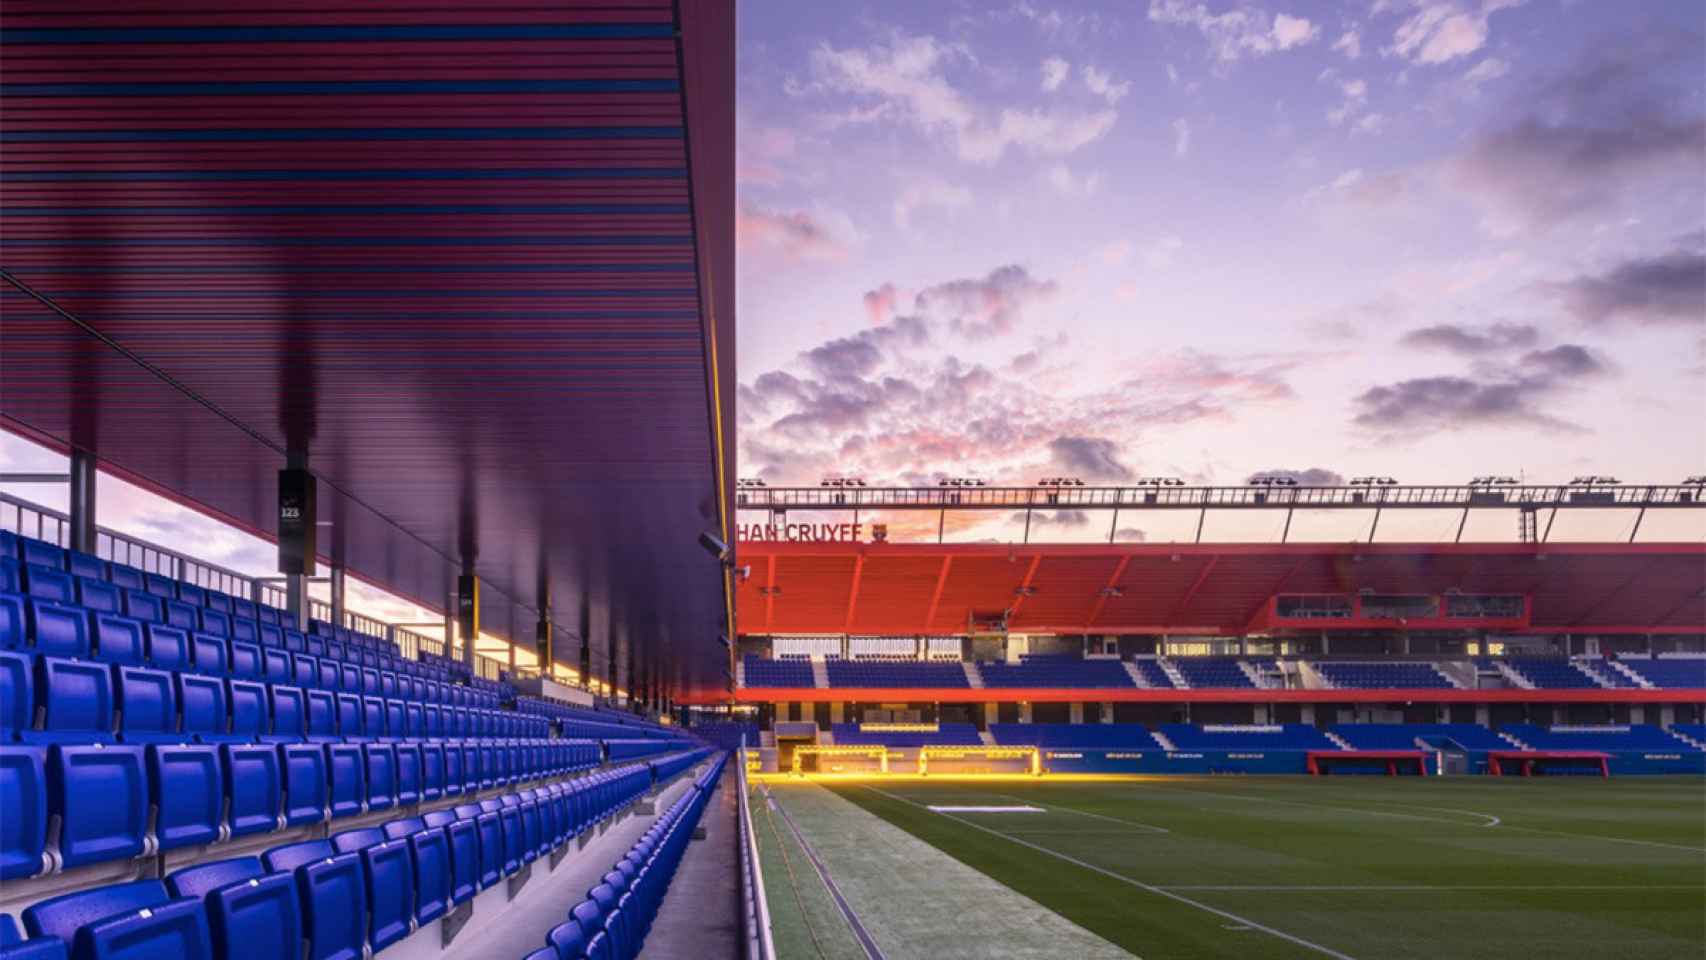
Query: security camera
x=714, y=546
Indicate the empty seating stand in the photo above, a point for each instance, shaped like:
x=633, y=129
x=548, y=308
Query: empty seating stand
x=891, y=674
x=761, y=672
x=1072, y=672
x=1383, y=675
x=945, y=735
x=1212, y=671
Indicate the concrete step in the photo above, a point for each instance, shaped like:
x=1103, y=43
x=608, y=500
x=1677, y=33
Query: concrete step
x=1512, y=676
x=1627, y=673
x=987, y=738
x=1339, y=741
x=1173, y=673
x=1161, y=738
x=973, y=677
x=1514, y=741
x=820, y=674
x=1135, y=674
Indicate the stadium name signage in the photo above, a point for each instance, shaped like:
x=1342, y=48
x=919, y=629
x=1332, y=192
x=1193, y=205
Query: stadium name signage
x=803, y=532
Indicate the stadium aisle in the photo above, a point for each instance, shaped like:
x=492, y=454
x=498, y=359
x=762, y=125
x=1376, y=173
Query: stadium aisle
x=916, y=901
x=691, y=925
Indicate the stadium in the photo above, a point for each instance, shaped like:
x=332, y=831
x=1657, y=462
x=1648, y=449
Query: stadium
x=394, y=559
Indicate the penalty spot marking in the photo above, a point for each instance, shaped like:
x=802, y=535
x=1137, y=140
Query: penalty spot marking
x=1158, y=891
x=934, y=808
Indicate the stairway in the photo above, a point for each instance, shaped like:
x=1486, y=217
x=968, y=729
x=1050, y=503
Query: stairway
x=1685, y=738
x=1341, y=742
x=973, y=678
x=1173, y=673
x=1624, y=671
x=1594, y=670
x=1514, y=741
x=1255, y=675
x=740, y=672
x=1135, y=674
x=987, y=738
x=820, y=674
x=1512, y=677
x=1161, y=738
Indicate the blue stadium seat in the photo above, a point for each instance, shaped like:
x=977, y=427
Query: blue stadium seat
x=124, y=921
x=118, y=639
x=331, y=894
x=215, y=622
x=250, y=913
x=350, y=716
x=192, y=594
x=147, y=705
x=85, y=565
x=217, y=600
x=9, y=545
x=58, y=630
x=303, y=766
x=245, y=660
x=160, y=585
x=250, y=719
x=100, y=793
x=181, y=614
x=388, y=877
x=432, y=770
x=322, y=711
x=99, y=596
x=201, y=701
x=568, y=940
x=275, y=665
x=373, y=716
x=76, y=700
x=408, y=774
x=289, y=714
x=13, y=946
x=124, y=577
x=168, y=647
x=187, y=789
x=272, y=636
x=380, y=762
x=41, y=553
x=246, y=630
x=11, y=576
x=23, y=797
x=242, y=608
x=144, y=606
x=209, y=655
x=12, y=624
x=49, y=583
x=17, y=694
x=304, y=671
x=346, y=778
x=253, y=787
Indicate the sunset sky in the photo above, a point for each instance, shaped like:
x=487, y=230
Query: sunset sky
x=1419, y=239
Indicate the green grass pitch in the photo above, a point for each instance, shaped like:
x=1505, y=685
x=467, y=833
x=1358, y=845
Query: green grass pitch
x=1349, y=867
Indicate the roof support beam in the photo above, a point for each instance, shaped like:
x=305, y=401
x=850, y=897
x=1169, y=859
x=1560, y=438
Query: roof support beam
x=1102, y=599
x=1024, y=585
x=936, y=595
x=1196, y=585
x=853, y=594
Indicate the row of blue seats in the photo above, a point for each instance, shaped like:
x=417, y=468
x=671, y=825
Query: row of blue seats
x=106, y=801
x=340, y=898
x=64, y=575
x=67, y=630
x=613, y=920
x=61, y=700
x=1055, y=672
x=1408, y=675
x=568, y=714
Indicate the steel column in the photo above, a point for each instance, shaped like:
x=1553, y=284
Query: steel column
x=82, y=501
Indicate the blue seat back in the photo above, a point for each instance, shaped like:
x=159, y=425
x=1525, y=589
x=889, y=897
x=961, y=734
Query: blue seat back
x=322, y=710
x=124, y=577
x=168, y=648
x=58, y=631
x=303, y=766
x=253, y=787
x=250, y=719
x=13, y=629
x=99, y=595
x=77, y=698
x=49, y=583
x=144, y=606
x=147, y=704
x=101, y=795
x=346, y=775
x=210, y=656
x=17, y=694
x=181, y=614
x=201, y=701
x=187, y=789
x=61, y=916
x=119, y=639
x=23, y=797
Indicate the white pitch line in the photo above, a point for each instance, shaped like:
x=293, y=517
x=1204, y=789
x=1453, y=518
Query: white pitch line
x=1085, y=813
x=1158, y=891
x=1412, y=816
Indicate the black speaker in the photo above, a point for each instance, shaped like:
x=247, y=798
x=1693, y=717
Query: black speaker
x=296, y=522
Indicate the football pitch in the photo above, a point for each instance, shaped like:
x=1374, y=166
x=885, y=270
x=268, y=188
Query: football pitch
x=1354, y=868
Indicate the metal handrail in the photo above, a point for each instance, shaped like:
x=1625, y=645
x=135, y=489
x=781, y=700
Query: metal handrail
x=1438, y=496
x=760, y=944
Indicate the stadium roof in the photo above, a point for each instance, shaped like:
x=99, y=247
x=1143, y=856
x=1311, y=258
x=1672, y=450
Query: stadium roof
x=475, y=259
x=1199, y=589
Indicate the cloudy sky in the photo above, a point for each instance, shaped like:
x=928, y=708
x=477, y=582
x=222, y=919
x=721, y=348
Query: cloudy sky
x=1203, y=239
